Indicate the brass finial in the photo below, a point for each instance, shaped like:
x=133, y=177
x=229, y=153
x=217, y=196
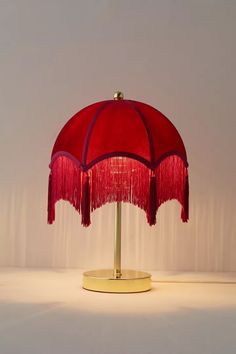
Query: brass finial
x=118, y=95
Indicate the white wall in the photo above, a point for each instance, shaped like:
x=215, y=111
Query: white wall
x=58, y=56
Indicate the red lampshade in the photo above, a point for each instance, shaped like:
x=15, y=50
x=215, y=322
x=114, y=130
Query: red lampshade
x=118, y=150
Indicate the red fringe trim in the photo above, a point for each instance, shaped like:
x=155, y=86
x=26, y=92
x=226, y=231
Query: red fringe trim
x=85, y=202
x=151, y=215
x=119, y=179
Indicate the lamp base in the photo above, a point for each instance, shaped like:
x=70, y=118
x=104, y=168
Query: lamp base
x=103, y=280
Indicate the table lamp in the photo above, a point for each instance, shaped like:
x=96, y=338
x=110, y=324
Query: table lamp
x=118, y=150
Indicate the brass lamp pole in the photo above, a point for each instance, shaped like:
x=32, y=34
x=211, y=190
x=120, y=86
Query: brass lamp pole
x=117, y=243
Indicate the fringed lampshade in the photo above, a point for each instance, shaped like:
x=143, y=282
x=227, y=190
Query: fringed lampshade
x=118, y=151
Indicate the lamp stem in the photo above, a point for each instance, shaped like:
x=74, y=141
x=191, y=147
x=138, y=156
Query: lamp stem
x=117, y=242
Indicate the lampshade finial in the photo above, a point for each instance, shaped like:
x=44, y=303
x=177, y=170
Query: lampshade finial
x=118, y=95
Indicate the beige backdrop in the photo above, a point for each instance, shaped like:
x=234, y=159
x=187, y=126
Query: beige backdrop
x=57, y=56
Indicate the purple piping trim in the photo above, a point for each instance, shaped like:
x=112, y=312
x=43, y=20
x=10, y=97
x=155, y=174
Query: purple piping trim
x=119, y=153
x=66, y=154
x=147, y=163
x=90, y=129
x=168, y=154
x=143, y=119
x=155, y=109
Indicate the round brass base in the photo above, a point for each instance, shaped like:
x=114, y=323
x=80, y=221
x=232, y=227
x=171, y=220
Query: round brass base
x=103, y=280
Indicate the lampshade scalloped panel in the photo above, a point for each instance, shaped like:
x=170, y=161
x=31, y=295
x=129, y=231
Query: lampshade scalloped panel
x=118, y=151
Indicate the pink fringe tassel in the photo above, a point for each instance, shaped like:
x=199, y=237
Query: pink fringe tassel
x=51, y=203
x=85, y=202
x=118, y=179
x=151, y=215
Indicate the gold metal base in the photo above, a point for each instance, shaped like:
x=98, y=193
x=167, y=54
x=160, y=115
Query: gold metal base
x=103, y=280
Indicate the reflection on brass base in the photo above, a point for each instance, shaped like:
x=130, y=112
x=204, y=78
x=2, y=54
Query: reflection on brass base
x=103, y=280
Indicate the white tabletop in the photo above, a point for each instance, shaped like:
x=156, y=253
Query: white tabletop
x=47, y=312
